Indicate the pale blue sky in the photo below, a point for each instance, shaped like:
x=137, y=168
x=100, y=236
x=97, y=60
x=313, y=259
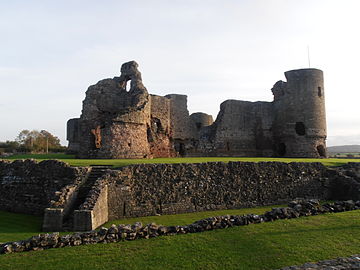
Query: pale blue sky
x=51, y=51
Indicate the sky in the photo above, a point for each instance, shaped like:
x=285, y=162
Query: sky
x=211, y=51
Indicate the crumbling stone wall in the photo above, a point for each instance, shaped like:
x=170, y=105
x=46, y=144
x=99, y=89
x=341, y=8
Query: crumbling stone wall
x=183, y=129
x=150, y=189
x=73, y=135
x=159, y=129
x=122, y=122
x=242, y=128
x=181, y=124
x=29, y=187
x=114, y=120
x=345, y=182
x=117, y=233
x=117, y=122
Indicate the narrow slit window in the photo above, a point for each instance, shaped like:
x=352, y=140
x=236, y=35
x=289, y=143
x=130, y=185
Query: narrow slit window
x=319, y=92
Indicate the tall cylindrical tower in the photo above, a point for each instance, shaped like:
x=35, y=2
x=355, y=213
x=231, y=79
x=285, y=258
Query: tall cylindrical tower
x=300, y=124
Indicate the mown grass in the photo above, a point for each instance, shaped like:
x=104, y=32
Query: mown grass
x=18, y=226
x=260, y=246
x=42, y=156
x=124, y=162
x=188, y=218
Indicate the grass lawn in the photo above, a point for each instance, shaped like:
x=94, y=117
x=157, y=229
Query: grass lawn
x=260, y=246
x=123, y=162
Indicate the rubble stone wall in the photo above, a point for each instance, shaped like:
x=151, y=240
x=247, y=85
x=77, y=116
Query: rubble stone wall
x=345, y=183
x=117, y=233
x=243, y=128
x=151, y=189
x=182, y=126
x=29, y=187
x=159, y=128
x=72, y=135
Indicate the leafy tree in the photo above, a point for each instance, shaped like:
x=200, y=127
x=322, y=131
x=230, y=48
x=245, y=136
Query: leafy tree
x=35, y=141
x=8, y=147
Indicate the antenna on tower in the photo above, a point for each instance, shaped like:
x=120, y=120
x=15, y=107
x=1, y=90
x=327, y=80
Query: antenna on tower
x=308, y=51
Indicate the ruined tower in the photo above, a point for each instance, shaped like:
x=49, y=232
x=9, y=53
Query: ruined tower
x=118, y=121
x=299, y=127
x=126, y=122
x=113, y=120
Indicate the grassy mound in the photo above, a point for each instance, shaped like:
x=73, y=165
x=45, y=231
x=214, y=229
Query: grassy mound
x=259, y=246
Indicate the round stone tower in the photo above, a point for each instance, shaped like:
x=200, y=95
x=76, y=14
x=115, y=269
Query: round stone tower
x=201, y=119
x=299, y=105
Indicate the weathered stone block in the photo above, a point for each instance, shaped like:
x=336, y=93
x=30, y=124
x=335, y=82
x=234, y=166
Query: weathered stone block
x=53, y=219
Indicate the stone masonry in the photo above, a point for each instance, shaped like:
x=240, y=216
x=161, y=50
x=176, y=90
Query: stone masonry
x=129, y=232
x=120, y=121
x=158, y=189
x=85, y=198
x=29, y=187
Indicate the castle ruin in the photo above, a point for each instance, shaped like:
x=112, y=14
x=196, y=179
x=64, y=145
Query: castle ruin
x=122, y=120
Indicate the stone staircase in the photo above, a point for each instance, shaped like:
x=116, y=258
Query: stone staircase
x=97, y=171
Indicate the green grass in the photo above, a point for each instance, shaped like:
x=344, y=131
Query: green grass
x=18, y=226
x=260, y=246
x=188, y=218
x=123, y=162
x=42, y=156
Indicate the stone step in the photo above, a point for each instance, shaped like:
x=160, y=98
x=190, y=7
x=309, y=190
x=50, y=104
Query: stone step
x=97, y=171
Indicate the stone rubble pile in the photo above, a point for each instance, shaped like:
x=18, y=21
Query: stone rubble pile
x=116, y=233
x=351, y=263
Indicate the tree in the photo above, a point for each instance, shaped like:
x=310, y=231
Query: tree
x=35, y=141
x=8, y=147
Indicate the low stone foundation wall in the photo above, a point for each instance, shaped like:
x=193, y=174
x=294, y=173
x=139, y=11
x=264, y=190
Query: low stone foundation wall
x=345, y=182
x=158, y=189
x=90, y=219
x=151, y=189
x=27, y=186
x=123, y=232
x=349, y=263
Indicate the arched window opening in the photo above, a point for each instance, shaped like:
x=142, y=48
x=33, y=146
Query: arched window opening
x=128, y=85
x=321, y=150
x=300, y=128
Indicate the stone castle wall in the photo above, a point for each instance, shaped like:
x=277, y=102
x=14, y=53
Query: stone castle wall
x=151, y=189
x=117, y=122
x=159, y=129
x=181, y=125
x=29, y=187
x=242, y=128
